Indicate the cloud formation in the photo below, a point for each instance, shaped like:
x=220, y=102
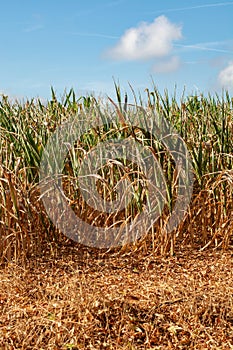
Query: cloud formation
x=225, y=76
x=147, y=41
x=167, y=65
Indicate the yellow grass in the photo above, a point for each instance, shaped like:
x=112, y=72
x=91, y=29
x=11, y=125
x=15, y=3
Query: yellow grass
x=80, y=300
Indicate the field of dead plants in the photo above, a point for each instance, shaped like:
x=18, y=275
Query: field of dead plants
x=163, y=291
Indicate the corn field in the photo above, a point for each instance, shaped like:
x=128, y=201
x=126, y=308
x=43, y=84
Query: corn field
x=205, y=123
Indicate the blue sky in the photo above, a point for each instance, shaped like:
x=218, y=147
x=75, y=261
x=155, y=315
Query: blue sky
x=84, y=44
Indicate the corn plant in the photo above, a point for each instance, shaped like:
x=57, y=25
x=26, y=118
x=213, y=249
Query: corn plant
x=204, y=122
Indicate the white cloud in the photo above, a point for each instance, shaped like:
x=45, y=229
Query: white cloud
x=147, y=41
x=225, y=76
x=167, y=65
